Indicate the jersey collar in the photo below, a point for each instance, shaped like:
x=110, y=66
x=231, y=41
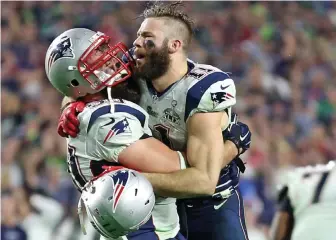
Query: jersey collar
x=152, y=90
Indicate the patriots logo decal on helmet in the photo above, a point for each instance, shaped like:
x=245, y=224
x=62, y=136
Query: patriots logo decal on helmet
x=61, y=50
x=120, y=179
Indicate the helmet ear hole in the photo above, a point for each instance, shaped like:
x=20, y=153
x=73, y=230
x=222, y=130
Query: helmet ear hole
x=74, y=83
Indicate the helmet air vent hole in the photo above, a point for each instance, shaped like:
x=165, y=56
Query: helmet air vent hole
x=74, y=83
x=93, y=190
x=110, y=198
x=136, y=191
x=147, y=202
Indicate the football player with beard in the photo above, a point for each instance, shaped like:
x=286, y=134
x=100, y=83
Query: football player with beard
x=189, y=107
x=82, y=64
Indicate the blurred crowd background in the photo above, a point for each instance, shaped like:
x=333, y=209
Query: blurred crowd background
x=282, y=56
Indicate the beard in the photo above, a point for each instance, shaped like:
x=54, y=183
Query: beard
x=128, y=90
x=156, y=64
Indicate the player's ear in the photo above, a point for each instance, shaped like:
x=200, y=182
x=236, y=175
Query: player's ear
x=174, y=45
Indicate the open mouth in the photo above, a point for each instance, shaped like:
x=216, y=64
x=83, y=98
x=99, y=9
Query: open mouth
x=140, y=56
x=140, y=59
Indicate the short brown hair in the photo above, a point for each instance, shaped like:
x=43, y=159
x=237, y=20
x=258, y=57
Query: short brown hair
x=172, y=11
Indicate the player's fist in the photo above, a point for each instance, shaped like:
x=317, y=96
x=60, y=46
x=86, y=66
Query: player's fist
x=245, y=137
x=232, y=132
x=68, y=124
x=238, y=133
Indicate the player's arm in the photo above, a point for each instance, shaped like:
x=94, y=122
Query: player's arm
x=283, y=221
x=208, y=104
x=230, y=152
x=205, y=153
x=150, y=155
x=127, y=141
x=65, y=102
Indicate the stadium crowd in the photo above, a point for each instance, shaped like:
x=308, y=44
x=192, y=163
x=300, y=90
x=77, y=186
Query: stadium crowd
x=281, y=55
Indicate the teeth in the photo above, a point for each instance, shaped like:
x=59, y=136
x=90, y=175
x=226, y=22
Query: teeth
x=123, y=72
x=117, y=77
x=102, y=75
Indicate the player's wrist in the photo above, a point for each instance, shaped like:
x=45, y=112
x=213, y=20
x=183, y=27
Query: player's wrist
x=183, y=162
x=232, y=148
x=65, y=106
x=66, y=102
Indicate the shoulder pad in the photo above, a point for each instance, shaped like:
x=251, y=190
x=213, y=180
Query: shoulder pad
x=111, y=132
x=318, y=168
x=211, y=91
x=118, y=108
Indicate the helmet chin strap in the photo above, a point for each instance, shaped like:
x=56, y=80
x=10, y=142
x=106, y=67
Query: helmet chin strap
x=104, y=75
x=81, y=215
x=80, y=208
x=109, y=95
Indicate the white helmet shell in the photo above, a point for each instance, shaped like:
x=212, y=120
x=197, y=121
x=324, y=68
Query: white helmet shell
x=118, y=202
x=81, y=61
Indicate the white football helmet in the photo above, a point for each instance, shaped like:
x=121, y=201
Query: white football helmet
x=81, y=61
x=118, y=202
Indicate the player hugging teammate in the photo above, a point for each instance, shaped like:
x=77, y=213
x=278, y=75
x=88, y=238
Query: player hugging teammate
x=189, y=111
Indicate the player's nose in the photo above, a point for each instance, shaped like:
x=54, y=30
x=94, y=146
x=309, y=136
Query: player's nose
x=138, y=42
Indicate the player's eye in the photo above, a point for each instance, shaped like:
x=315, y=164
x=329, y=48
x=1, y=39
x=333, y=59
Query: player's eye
x=103, y=48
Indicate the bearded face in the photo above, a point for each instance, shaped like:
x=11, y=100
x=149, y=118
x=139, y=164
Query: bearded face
x=153, y=62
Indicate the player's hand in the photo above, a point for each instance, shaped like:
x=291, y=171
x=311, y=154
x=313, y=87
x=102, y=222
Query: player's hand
x=238, y=133
x=68, y=124
x=232, y=133
x=245, y=137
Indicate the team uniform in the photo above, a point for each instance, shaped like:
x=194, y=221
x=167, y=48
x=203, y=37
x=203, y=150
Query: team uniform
x=203, y=89
x=102, y=137
x=310, y=197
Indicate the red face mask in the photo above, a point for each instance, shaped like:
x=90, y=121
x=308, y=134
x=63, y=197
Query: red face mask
x=103, y=65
